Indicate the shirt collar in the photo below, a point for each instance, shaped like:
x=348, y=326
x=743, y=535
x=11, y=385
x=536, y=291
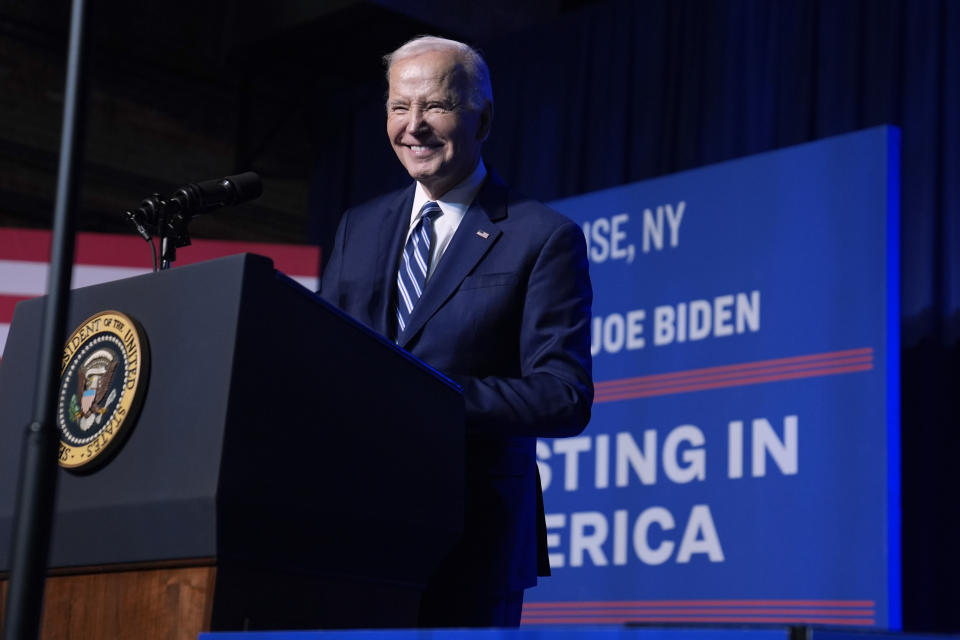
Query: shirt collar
x=456, y=201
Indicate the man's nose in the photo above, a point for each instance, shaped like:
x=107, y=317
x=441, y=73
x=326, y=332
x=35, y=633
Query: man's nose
x=415, y=119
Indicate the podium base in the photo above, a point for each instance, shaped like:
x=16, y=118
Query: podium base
x=103, y=602
x=164, y=602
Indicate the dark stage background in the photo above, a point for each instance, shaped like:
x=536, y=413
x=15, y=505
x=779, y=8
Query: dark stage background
x=588, y=95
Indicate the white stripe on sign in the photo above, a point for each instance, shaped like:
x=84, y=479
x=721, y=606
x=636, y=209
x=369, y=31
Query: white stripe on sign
x=4, y=330
x=310, y=282
x=21, y=278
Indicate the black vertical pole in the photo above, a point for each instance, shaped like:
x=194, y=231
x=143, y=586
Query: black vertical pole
x=38, y=467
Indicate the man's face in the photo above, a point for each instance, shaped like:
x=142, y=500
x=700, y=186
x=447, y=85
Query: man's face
x=435, y=133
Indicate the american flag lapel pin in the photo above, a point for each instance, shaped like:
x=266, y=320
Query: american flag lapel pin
x=483, y=234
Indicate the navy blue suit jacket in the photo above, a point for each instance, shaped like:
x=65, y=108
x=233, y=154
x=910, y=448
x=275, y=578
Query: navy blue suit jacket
x=506, y=314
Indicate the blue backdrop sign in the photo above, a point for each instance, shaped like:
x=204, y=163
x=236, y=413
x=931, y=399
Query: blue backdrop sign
x=742, y=464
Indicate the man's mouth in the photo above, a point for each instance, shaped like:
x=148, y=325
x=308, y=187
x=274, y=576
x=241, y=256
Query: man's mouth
x=422, y=149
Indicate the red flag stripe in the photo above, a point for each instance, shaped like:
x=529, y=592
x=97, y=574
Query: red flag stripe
x=132, y=251
x=24, y=244
x=7, y=303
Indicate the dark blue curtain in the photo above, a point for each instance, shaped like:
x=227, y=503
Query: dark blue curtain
x=624, y=91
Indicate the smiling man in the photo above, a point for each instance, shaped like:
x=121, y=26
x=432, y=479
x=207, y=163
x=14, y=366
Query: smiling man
x=492, y=289
x=435, y=123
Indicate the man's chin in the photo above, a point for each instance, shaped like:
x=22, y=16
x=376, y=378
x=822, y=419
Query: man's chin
x=424, y=173
x=422, y=166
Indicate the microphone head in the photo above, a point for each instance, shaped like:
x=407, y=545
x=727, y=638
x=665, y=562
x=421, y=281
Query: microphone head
x=210, y=195
x=248, y=186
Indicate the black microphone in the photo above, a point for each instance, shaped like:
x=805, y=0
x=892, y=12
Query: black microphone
x=208, y=195
x=169, y=219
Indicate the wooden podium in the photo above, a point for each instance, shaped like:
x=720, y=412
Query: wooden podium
x=146, y=603
x=290, y=468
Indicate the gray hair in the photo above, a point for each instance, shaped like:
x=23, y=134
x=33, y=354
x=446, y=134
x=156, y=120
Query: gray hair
x=478, y=74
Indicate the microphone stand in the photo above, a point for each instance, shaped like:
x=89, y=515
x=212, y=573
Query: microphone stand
x=174, y=233
x=165, y=219
x=30, y=546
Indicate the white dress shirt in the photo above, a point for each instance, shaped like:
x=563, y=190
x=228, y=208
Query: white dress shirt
x=453, y=206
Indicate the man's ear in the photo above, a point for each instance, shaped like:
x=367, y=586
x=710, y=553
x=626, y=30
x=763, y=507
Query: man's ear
x=486, y=121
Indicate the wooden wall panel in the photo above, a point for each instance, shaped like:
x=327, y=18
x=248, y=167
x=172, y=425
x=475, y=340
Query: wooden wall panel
x=154, y=604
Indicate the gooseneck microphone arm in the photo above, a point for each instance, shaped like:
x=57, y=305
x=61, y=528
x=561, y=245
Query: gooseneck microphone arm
x=168, y=218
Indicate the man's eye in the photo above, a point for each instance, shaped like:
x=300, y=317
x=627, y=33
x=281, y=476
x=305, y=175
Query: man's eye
x=436, y=107
x=398, y=108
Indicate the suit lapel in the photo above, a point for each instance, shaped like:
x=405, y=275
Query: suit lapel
x=390, y=239
x=477, y=232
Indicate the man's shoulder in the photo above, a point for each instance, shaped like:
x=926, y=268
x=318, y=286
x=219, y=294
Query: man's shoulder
x=533, y=209
x=519, y=208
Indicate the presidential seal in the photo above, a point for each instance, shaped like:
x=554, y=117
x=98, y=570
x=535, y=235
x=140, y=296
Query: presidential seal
x=102, y=383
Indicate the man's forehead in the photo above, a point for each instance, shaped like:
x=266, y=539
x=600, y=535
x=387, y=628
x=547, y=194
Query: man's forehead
x=441, y=68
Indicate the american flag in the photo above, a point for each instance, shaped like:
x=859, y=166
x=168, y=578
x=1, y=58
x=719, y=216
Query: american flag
x=101, y=257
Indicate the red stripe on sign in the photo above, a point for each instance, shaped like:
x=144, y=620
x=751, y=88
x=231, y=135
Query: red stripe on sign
x=656, y=382
x=7, y=303
x=797, y=611
x=24, y=244
x=112, y=250
x=864, y=622
x=292, y=259
x=761, y=371
x=646, y=393
x=115, y=250
x=760, y=366
x=698, y=603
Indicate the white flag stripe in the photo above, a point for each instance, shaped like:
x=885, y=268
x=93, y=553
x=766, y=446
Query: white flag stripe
x=310, y=282
x=23, y=278
x=4, y=330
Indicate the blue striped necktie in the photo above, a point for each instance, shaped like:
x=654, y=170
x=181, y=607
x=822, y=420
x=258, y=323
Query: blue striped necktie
x=415, y=265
